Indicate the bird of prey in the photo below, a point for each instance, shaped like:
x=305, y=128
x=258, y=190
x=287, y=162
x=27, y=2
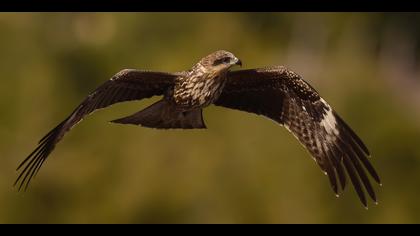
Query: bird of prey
x=274, y=92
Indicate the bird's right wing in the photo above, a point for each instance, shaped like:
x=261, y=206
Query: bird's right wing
x=283, y=96
x=126, y=85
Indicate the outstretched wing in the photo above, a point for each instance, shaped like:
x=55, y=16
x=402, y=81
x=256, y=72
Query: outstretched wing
x=286, y=98
x=126, y=85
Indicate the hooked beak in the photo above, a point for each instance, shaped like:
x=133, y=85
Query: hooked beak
x=238, y=62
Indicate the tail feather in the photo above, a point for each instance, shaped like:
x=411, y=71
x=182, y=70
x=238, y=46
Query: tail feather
x=163, y=115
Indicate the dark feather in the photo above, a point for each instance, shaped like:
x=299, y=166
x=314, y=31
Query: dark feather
x=337, y=160
x=355, y=180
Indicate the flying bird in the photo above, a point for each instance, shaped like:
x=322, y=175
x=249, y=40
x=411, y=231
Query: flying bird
x=274, y=92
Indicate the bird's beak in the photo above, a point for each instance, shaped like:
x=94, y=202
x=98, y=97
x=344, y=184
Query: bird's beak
x=238, y=62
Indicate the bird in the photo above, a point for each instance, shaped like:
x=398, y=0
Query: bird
x=274, y=92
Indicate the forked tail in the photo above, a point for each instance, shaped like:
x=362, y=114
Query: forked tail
x=163, y=115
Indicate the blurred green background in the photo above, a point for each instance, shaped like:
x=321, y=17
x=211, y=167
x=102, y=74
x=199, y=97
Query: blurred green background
x=244, y=168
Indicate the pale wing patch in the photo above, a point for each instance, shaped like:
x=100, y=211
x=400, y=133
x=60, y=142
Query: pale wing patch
x=328, y=121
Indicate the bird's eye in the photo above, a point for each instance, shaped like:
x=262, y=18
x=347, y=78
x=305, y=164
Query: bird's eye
x=224, y=60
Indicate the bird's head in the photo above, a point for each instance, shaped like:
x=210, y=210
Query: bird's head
x=219, y=61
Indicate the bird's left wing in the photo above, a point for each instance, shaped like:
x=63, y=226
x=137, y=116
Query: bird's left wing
x=283, y=96
x=126, y=85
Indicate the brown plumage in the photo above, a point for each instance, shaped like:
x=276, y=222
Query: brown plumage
x=276, y=93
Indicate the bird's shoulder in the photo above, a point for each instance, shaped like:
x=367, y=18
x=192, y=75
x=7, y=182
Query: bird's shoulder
x=275, y=78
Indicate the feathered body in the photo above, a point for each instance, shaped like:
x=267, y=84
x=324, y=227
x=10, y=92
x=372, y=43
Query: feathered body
x=197, y=89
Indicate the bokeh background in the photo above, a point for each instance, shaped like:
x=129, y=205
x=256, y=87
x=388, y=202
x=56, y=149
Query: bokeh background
x=244, y=168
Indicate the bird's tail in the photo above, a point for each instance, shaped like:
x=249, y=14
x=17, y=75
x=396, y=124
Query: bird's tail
x=163, y=115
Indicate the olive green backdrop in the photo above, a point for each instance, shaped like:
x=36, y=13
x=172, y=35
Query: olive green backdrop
x=243, y=168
